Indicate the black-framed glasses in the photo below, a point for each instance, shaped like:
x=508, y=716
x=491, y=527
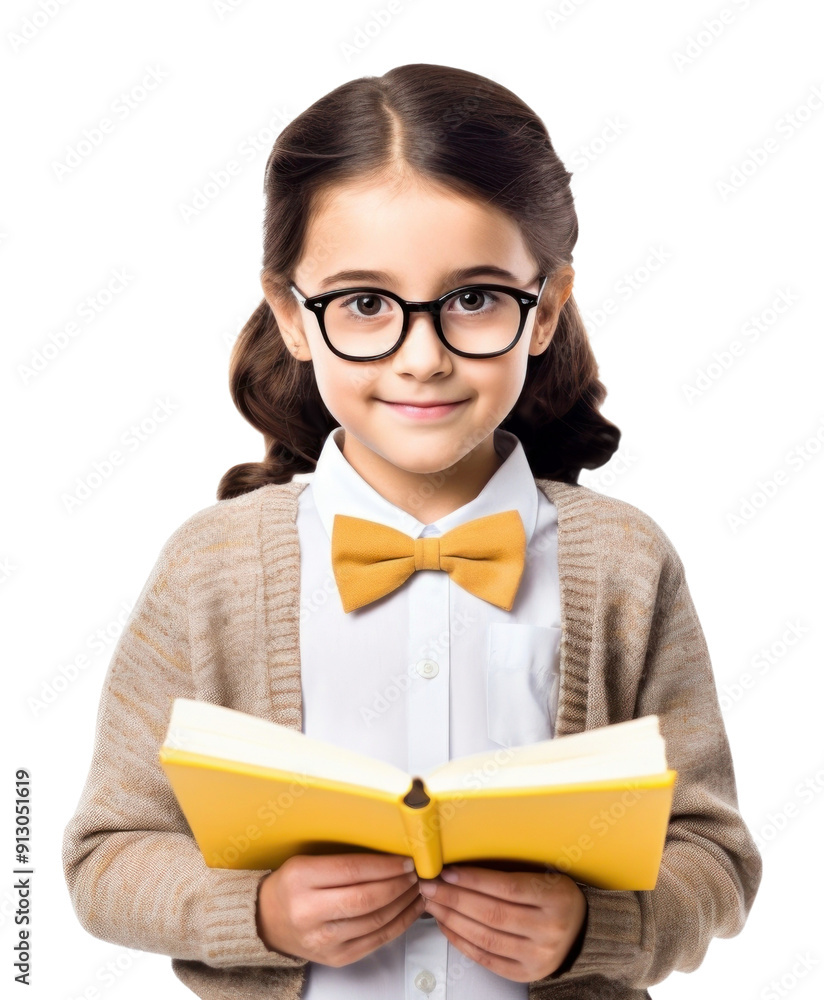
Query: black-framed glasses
x=474, y=321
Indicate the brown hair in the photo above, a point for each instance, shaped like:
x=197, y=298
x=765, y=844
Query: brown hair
x=476, y=137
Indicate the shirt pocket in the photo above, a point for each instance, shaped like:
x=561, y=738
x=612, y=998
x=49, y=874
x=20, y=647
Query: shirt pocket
x=521, y=682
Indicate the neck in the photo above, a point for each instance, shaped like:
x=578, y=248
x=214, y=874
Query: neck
x=427, y=496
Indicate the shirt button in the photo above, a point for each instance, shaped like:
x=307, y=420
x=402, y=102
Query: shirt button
x=427, y=668
x=425, y=981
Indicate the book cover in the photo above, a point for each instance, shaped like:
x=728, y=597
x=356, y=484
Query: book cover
x=594, y=805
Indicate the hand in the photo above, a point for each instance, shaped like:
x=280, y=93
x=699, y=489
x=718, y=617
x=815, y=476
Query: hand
x=518, y=924
x=336, y=908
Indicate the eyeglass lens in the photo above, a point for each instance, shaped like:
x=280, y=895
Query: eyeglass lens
x=476, y=321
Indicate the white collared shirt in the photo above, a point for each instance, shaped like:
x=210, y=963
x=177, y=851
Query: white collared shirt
x=424, y=674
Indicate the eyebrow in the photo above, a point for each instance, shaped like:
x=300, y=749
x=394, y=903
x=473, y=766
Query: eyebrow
x=451, y=279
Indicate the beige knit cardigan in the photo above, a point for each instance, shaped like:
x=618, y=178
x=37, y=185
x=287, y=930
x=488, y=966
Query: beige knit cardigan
x=218, y=620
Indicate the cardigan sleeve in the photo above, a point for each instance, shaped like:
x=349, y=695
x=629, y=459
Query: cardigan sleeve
x=135, y=874
x=711, y=867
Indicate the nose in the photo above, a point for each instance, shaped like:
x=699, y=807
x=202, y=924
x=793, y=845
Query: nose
x=422, y=351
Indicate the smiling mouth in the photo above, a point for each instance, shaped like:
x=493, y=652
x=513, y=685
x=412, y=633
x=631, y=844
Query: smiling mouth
x=424, y=410
x=423, y=403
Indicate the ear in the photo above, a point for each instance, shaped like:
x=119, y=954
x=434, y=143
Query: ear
x=556, y=291
x=287, y=310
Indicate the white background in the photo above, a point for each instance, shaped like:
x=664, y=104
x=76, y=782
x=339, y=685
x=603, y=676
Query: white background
x=653, y=181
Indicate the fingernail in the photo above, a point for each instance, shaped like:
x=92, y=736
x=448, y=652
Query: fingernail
x=409, y=865
x=449, y=875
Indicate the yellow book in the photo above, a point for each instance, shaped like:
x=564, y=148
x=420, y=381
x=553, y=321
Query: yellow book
x=594, y=805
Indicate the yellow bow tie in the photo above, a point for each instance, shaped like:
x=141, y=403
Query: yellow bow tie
x=485, y=556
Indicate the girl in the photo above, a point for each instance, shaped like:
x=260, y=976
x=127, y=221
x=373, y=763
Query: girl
x=419, y=359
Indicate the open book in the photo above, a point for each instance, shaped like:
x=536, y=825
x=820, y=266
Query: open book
x=594, y=805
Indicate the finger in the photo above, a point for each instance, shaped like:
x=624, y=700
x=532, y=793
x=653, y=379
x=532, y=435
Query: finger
x=497, y=942
x=326, y=870
x=361, y=935
x=487, y=910
x=369, y=902
x=527, y=888
x=506, y=966
x=395, y=926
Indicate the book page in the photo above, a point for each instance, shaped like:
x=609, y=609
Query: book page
x=628, y=749
x=227, y=734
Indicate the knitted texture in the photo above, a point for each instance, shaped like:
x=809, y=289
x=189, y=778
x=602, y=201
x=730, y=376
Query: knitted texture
x=218, y=620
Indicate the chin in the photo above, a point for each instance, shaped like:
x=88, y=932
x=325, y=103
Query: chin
x=424, y=463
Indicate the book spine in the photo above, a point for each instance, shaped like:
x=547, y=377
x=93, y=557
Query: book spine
x=420, y=819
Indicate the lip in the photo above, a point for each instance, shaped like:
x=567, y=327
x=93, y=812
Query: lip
x=424, y=410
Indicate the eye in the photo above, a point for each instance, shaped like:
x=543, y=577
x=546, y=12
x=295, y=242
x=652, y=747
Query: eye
x=474, y=300
x=366, y=304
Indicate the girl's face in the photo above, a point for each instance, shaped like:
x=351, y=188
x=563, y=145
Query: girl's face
x=414, y=234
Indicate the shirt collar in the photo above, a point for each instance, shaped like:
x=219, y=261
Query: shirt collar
x=338, y=489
